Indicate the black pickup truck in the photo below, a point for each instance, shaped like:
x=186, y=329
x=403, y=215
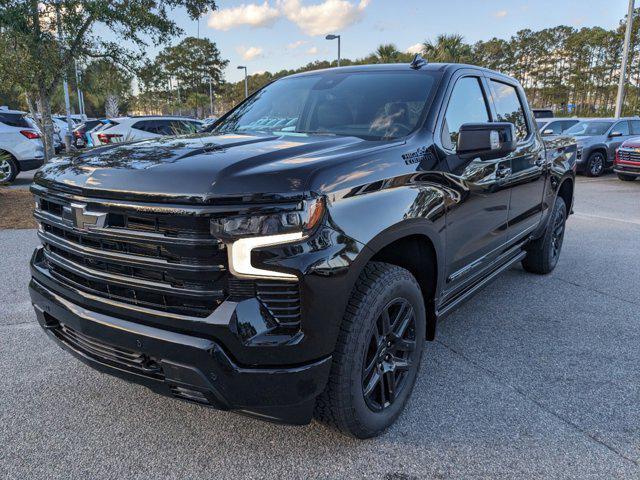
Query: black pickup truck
x=293, y=259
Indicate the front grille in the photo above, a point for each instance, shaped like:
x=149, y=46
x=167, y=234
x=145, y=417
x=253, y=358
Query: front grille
x=129, y=360
x=629, y=155
x=166, y=261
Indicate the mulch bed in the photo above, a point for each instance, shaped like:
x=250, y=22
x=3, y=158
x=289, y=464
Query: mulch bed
x=16, y=209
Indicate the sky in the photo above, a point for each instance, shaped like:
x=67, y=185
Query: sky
x=277, y=34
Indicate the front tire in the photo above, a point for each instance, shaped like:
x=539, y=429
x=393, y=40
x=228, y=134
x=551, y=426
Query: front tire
x=378, y=353
x=626, y=178
x=544, y=252
x=595, y=164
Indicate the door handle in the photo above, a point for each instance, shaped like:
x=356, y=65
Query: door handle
x=502, y=172
x=540, y=161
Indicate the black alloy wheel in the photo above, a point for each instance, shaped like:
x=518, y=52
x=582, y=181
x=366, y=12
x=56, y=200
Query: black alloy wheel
x=595, y=167
x=389, y=356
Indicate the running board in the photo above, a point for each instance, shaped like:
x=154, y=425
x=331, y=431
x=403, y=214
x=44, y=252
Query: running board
x=448, y=307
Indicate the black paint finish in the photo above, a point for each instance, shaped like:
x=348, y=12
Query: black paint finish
x=474, y=215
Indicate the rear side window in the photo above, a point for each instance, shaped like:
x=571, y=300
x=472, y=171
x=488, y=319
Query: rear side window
x=635, y=127
x=509, y=107
x=555, y=127
x=14, y=120
x=150, y=126
x=466, y=105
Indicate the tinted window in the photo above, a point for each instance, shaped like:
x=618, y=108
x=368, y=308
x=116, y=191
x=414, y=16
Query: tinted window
x=466, y=105
x=150, y=126
x=622, y=127
x=582, y=129
x=509, y=108
x=371, y=105
x=555, y=127
x=568, y=124
x=14, y=120
x=635, y=127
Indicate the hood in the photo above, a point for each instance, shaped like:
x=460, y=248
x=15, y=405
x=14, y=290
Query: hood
x=196, y=168
x=631, y=143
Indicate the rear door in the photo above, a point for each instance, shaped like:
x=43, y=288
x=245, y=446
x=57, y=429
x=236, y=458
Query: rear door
x=528, y=162
x=476, y=223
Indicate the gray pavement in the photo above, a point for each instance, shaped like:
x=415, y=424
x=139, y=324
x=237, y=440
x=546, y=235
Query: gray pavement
x=535, y=377
x=23, y=180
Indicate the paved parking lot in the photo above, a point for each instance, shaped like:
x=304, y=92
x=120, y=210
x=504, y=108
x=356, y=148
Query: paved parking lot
x=536, y=377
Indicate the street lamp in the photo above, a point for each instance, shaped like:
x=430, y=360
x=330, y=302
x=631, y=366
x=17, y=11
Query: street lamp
x=334, y=37
x=210, y=94
x=246, y=85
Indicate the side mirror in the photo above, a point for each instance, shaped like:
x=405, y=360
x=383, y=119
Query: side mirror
x=615, y=134
x=548, y=131
x=486, y=140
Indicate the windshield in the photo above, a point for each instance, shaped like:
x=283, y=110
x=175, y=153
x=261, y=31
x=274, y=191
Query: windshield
x=373, y=106
x=584, y=129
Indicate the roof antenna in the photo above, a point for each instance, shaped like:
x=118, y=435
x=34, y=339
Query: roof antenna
x=418, y=62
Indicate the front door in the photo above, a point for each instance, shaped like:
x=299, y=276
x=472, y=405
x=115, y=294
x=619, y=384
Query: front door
x=476, y=221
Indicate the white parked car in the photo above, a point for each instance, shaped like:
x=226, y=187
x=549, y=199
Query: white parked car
x=20, y=144
x=139, y=128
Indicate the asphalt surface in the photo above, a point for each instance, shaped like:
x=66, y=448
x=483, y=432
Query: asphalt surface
x=535, y=377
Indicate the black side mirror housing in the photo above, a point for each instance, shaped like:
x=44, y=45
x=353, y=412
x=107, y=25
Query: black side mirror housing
x=486, y=140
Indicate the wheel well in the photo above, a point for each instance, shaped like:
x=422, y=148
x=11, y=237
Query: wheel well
x=417, y=254
x=599, y=150
x=15, y=160
x=566, y=193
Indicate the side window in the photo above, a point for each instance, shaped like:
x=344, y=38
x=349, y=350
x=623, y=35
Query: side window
x=622, y=127
x=635, y=127
x=466, y=105
x=144, y=125
x=566, y=124
x=509, y=108
x=165, y=127
x=555, y=126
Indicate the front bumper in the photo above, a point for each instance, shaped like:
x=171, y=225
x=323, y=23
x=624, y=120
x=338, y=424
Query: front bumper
x=627, y=168
x=182, y=366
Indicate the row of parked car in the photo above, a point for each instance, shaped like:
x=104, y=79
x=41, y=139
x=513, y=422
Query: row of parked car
x=21, y=147
x=603, y=143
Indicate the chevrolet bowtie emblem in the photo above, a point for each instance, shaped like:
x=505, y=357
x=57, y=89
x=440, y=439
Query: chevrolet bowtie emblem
x=77, y=216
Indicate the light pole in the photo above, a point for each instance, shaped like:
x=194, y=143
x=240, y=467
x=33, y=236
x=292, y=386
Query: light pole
x=80, y=96
x=246, y=84
x=65, y=85
x=334, y=37
x=210, y=95
x=625, y=59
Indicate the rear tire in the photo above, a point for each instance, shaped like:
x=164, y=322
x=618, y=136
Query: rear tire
x=595, y=165
x=626, y=178
x=544, y=252
x=8, y=168
x=375, y=362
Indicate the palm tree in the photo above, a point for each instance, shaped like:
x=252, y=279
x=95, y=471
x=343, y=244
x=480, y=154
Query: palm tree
x=387, y=53
x=448, y=49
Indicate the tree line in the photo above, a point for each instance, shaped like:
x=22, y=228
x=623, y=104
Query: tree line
x=573, y=71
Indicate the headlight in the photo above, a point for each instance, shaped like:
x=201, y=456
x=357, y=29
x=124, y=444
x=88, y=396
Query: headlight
x=243, y=233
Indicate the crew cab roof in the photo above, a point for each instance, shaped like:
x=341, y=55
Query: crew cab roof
x=386, y=67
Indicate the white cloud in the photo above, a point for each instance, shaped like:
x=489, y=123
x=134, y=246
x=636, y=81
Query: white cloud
x=251, y=14
x=312, y=51
x=417, y=48
x=294, y=45
x=249, y=53
x=326, y=17
x=259, y=72
x=501, y=13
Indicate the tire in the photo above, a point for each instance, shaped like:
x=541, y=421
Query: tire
x=626, y=178
x=595, y=165
x=363, y=355
x=544, y=252
x=8, y=168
